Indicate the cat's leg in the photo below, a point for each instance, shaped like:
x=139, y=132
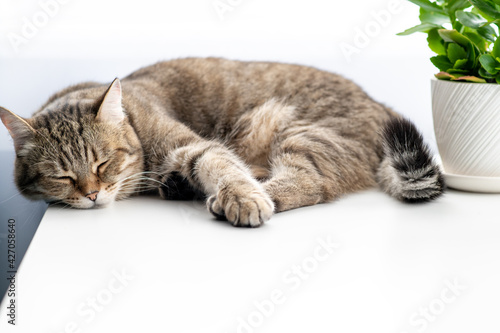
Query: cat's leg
x=311, y=165
x=214, y=169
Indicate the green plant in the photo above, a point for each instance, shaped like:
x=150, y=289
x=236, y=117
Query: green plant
x=464, y=34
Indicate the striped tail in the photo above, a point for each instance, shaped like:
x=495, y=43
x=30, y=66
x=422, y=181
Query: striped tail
x=407, y=171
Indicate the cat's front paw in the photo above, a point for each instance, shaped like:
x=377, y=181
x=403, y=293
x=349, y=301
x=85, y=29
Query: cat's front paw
x=242, y=209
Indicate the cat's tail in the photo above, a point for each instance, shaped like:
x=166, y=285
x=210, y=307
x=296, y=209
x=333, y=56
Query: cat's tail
x=407, y=171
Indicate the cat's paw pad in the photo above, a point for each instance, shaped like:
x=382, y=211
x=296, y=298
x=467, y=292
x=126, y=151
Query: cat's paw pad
x=250, y=210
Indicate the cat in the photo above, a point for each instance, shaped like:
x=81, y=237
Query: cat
x=255, y=138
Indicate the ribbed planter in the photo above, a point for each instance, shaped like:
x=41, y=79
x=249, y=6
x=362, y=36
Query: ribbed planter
x=467, y=127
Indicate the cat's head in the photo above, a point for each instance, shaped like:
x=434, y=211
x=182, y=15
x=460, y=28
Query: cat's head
x=79, y=149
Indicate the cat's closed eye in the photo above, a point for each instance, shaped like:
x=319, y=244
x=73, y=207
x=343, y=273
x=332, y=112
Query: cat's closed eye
x=101, y=167
x=66, y=179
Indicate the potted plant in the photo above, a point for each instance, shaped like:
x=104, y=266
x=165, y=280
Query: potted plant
x=466, y=91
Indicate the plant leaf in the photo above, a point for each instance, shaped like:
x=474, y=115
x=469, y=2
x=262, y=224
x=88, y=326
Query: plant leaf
x=442, y=62
x=489, y=63
x=430, y=6
x=424, y=27
x=443, y=76
x=498, y=79
x=470, y=19
x=496, y=49
x=488, y=7
x=481, y=44
x=436, y=43
x=487, y=32
x=451, y=8
x=460, y=63
x=469, y=78
x=455, y=52
x=454, y=71
x=485, y=74
x=494, y=21
x=454, y=5
x=453, y=36
x=427, y=16
x=454, y=77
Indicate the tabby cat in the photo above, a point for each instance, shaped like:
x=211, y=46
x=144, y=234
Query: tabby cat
x=255, y=138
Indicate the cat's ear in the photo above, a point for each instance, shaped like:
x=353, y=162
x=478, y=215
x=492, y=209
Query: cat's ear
x=20, y=130
x=111, y=110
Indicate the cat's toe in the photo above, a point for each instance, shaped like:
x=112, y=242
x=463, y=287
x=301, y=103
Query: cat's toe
x=253, y=212
x=215, y=208
x=242, y=211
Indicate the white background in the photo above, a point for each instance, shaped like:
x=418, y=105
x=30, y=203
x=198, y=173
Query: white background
x=193, y=274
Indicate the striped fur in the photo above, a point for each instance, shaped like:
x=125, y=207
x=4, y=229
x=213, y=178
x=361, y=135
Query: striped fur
x=407, y=171
x=253, y=138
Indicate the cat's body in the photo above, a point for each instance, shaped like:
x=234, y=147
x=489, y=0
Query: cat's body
x=256, y=138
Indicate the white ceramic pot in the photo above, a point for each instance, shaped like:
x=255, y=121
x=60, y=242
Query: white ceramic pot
x=467, y=126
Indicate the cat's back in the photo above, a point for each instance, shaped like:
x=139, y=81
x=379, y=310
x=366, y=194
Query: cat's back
x=219, y=87
x=252, y=79
x=210, y=95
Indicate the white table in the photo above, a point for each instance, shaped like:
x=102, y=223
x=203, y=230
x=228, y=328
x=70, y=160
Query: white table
x=181, y=271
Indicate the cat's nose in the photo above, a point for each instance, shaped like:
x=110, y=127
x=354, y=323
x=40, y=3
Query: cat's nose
x=92, y=195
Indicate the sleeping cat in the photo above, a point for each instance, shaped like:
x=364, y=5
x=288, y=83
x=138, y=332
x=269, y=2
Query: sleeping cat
x=255, y=138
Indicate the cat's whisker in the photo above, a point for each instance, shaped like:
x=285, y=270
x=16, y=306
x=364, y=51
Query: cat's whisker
x=136, y=182
x=59, y=202
x=139, y=187
x=141, y=178
x=136, y=191
x=11, y=197
x=138, y=175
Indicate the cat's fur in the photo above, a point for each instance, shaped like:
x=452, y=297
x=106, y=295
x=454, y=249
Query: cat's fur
x=254, y=137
